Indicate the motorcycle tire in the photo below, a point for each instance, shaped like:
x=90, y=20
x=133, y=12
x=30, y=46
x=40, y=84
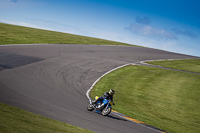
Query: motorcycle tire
x=90, y=107
x=106, y=111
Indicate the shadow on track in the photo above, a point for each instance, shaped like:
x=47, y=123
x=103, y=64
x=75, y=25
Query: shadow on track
x=116, y=118
x=112, y=117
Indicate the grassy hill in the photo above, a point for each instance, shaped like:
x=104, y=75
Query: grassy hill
x=12, y=34
x=166, y=99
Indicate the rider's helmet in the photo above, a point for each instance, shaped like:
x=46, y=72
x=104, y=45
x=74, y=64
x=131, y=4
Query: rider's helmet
x=111, y=92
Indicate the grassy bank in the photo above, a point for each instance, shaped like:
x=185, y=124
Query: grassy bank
x=187, y=65
x=163, y=98
x=12, y=34
x=14, y=120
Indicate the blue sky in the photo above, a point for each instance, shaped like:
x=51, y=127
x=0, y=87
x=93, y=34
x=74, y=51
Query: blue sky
x=172, y=25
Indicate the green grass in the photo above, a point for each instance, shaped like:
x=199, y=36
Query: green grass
x=165, y=99
x=15, y=120
x=12, y=34
x=192, y=65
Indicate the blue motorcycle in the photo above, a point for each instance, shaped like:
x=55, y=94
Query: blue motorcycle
x=103, y=107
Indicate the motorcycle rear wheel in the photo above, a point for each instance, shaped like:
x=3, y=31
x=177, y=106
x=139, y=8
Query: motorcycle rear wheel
x=106, y=111
x=90, y=107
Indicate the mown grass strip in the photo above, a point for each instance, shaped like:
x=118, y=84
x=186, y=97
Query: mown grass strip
x=165, y=99
x=192, y=65
x=15, y=120
x=12, y=34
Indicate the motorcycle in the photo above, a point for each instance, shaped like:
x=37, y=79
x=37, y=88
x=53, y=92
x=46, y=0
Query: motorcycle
x=103, y=107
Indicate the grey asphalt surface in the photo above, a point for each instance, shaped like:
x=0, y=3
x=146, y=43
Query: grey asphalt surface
x=52, y=80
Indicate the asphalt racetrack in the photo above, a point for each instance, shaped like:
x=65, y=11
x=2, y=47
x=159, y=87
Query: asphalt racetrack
x=52, y=80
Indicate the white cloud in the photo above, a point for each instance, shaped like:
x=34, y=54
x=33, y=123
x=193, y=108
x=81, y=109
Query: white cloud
x=176, y=40
x=151, y=32
x=142, y=27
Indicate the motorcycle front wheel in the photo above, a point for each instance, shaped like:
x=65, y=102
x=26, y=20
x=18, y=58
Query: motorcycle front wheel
x=106, y=111
x=90, y=107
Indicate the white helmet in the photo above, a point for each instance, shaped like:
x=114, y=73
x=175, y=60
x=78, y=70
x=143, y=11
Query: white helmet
x=111, y=92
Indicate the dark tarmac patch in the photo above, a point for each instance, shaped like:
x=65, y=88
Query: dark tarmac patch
x=10, y=60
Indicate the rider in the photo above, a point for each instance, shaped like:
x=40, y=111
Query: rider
x=107, y=95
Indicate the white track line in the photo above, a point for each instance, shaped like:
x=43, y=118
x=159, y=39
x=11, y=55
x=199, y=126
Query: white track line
x=141, y=62
x=88, y=92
